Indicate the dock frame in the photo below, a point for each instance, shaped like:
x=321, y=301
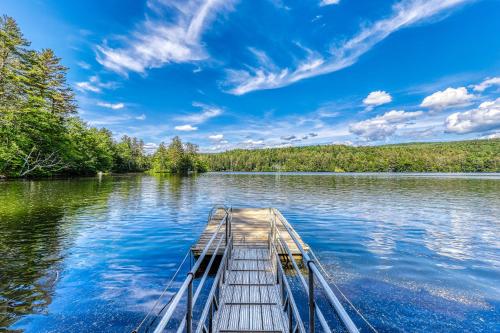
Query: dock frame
x=250, y=291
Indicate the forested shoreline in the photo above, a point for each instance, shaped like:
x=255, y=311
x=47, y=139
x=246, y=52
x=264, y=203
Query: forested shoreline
x=40, y=131
x=457, y=156
x=41, y=135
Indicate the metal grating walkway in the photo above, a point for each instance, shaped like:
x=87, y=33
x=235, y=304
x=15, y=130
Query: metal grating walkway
x=250, y=291
x=250, y=299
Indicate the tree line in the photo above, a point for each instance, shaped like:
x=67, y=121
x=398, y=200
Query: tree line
x=458, y=156
x=41, y=133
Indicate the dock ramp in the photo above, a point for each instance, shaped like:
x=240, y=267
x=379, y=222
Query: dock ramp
x=250, y=249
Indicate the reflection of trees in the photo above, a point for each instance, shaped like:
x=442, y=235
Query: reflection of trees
x=35, y=222
x=175, y=190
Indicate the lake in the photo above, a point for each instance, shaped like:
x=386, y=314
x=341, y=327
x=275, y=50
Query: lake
x=414, y=253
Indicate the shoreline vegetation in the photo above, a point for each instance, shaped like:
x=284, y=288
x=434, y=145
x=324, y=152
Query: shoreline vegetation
x=453, y=156
x=41, y=135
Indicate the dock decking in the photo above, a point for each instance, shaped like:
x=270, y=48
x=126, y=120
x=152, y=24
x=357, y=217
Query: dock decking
x=250, y=297
x=250, y=291
x=249, y=226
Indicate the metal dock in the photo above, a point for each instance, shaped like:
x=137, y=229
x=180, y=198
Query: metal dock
x=250, y=291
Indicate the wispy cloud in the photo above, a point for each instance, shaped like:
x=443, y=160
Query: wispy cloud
x=186, y=128
x=494, y=81
x=94, y=84
x=110, y=120
x=208, y=111
x=157, y=43
x=404, y=14
x=87, y=86
x=329, y=2
x=216, y=137
x=113, y=106
x=83, y=65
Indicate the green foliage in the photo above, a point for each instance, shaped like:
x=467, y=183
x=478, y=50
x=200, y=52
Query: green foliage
x=177, y=158
x=461, y=156
x=90, y=149
x=129, y=155
x=39, y=132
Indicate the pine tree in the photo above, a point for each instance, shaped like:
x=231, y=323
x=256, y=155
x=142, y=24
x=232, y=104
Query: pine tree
x=12, y=55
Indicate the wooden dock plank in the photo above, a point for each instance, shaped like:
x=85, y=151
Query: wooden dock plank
x=250, y=228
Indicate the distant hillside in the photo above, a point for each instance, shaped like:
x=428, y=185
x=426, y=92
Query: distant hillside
x=458, y=156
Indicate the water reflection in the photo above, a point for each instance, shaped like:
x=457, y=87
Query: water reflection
x=34, y=232
x=414, y=253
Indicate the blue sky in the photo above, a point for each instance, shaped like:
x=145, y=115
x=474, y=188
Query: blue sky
x=230, y=74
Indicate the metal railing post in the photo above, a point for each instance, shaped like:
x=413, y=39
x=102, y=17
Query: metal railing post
x=230, y=220
x=189, y=315
x=339, y=309
x=211, y=318
x=227, y=230
x=311, y=299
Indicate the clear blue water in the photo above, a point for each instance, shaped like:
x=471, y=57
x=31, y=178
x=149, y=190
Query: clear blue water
x=415, y=253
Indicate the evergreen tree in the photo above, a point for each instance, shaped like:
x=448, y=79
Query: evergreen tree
x=39, y=132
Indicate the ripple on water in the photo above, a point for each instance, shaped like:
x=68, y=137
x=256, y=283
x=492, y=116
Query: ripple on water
x=414, y=253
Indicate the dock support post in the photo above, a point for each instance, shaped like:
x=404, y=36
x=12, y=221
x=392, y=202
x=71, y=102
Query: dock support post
x=189, y=314
x=312, y=305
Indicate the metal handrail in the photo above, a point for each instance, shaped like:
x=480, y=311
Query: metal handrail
x=187, y=285
x=319, y=313
x=288, y=302
x=314, y=272
x=202, y=282
x=211, y=299
x=215, y=208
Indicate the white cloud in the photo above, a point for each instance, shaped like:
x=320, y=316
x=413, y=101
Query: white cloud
x=376, y=98
x=253, y=143
x=208, y=111
x=486, y=117
x=110, y=120
x=494, y=81
x=157, y=43
x=150, y=147
x=94, y=84
x=83, y=65
x=450, y=97
x=216, y=137
x=404, y=14
x=185, y=128
x=87, y=86
x=329, y=2
x=381, y=127
x=115, y=106
x=491, y=136
x=344, y=143
x=141, y=117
